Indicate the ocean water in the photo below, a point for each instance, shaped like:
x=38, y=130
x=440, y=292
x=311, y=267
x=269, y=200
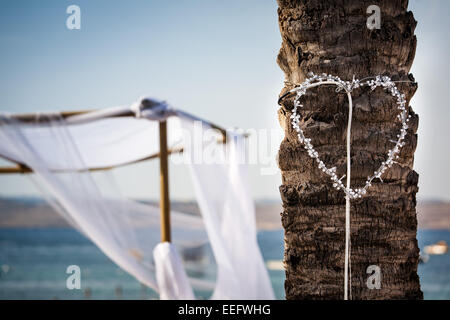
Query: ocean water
x=33, y=265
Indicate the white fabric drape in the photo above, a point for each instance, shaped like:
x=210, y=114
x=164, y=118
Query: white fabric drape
x=127, y=231
x=228, y=212
x=123, y=229
x=98, y=144
x=170, y=275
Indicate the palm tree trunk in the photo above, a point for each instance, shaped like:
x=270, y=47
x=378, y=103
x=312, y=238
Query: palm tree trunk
x=332, y=37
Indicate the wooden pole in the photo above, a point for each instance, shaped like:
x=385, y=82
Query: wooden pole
x=164, y=201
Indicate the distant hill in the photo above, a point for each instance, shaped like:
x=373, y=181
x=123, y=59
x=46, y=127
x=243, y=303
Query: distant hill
x=36, y=213
x=28, y=213
x=433, y=214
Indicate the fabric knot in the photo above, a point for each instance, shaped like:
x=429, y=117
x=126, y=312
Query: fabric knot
x=152, y=109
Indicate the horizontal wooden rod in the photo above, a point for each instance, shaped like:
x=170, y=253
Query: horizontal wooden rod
x=33, y=117
x=17, y=169
x=20, y=168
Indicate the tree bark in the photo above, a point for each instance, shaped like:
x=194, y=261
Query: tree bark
x=332, y=37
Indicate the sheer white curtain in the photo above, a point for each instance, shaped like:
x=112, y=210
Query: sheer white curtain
x=101, y=143
x=220, y=180
x=170, y=275
x=127, y=231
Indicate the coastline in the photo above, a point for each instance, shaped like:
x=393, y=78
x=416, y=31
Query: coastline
x=27, y=212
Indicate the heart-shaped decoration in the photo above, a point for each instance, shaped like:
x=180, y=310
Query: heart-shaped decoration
x=348, y=86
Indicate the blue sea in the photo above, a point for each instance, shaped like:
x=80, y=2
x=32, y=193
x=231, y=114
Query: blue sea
x=33, y=265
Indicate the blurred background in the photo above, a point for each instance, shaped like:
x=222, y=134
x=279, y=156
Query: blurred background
x=214, y=59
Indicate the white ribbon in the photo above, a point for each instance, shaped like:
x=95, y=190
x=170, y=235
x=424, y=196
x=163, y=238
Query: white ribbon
x=347, y=201
x=347, y=267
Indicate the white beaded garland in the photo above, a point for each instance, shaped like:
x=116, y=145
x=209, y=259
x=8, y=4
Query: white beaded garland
x=383, y=81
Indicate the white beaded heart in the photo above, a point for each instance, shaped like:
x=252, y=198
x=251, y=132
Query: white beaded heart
x=348, y=86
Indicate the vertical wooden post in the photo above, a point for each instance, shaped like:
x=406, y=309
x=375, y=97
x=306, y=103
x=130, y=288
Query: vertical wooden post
x=164, y=201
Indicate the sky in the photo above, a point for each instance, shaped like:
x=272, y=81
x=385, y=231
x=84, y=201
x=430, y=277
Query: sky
x=215, y=59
